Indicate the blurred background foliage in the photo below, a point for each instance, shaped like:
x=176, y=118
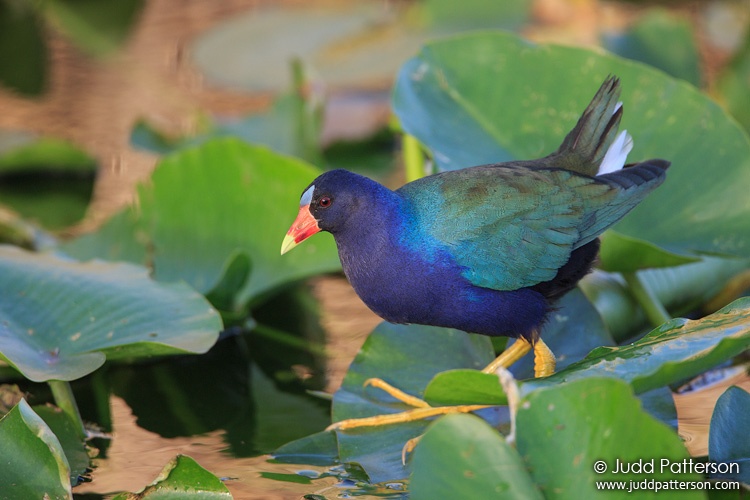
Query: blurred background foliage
x=95, y=93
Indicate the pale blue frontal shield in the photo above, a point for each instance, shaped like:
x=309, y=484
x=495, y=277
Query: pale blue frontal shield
x=307, y=196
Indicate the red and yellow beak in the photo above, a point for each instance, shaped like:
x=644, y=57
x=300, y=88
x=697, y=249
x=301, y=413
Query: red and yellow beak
x=303, y=227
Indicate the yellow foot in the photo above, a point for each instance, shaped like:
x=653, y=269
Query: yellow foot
x=403, y=417
x=421, y=410
x=409, y=447
x=396, y=393
x=544, y=360
x=544, y=365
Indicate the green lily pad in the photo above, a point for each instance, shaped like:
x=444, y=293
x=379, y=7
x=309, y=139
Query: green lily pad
x=659, y=403
x=661, y=40
x=727, y=440
x=490, y=97
x=234, y=277
x=461, y=387
x=460, y=456
x=123, y=237
x=245, y=206
x=320, y=449
x=68, y=434
x=407, y=357
x=619, y=253
x=677, y=350
x=278, y=417
x=61, y=319
x=564, y=432
x=181, y=478
x=34, y=464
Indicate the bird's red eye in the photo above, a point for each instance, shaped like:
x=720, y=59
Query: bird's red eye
x=325, y=202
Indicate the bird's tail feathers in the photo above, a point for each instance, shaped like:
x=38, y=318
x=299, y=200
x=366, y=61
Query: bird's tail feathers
x=593, y=146
x=628, y=187
x=644, y=176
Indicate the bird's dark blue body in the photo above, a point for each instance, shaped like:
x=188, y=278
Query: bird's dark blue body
x=405, y=276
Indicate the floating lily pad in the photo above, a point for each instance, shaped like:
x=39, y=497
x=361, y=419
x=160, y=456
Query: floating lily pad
x=182, y=477
x=320, y=448
x=63, y=318
x=34, y=464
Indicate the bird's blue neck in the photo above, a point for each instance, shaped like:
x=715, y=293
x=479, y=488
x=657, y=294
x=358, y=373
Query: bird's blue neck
x=372, y=233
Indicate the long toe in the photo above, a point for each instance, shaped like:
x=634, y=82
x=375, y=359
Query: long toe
x=544, y=360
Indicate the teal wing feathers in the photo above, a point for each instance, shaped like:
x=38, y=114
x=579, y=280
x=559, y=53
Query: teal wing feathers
x=511, y=227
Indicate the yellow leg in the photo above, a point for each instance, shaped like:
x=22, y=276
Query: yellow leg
x=544, y=359
x=516, y=351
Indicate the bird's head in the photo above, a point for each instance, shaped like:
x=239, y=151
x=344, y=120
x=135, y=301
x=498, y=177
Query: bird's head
x=327, y=204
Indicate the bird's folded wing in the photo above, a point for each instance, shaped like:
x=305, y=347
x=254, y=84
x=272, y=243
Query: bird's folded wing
x=511, y=228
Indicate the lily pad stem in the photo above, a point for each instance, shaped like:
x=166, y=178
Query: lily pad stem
x=65, y=400
x=413, y=157
x=654, y=309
